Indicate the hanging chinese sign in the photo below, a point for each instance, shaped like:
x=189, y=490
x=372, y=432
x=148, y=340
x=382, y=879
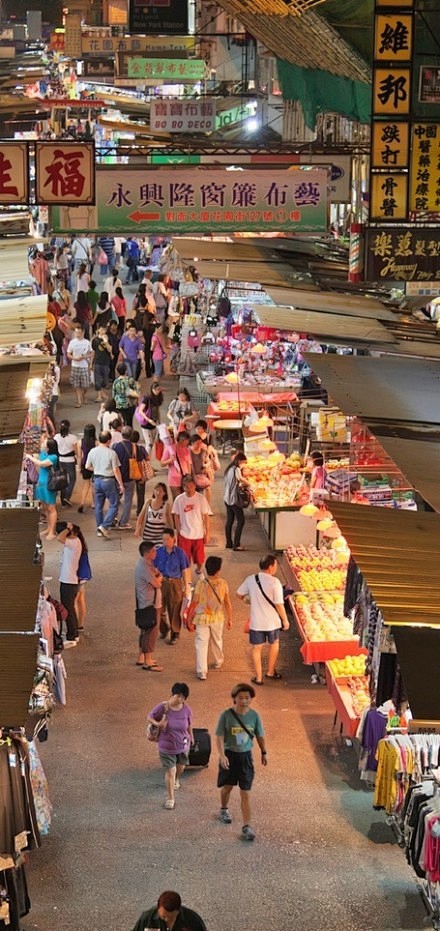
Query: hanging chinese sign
x=14, y=173
x=391, y=110
x=177, y=70
x=425, y=168
x=401, y=254
x=159, y=17
x=110, y=45
x=64, y=173
x=183, y=116
x=190, y=200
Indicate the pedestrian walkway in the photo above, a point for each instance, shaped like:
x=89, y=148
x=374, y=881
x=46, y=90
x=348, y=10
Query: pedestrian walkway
x=322, y=858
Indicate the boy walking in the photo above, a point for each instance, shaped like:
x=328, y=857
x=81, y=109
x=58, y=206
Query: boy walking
x=236, y=729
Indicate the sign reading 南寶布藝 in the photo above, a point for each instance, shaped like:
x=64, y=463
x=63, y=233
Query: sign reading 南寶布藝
x=193, y=200
x=183, y=116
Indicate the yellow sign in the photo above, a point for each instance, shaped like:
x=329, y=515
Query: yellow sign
x=389, y=145
x=425, y=168
x=391, y=93
x=389, y=197
x=393, y=37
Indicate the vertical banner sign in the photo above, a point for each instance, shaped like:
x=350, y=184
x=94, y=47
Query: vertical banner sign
x=391, y=110
x=159, y=17
x=425, y=168
x=14, y=173
x=65, y=173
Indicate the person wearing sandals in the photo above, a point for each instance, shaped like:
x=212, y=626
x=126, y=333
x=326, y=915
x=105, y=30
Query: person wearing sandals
x=264, y=593
x=174, y=718
x=209, y=607
x=148, y=583
x=235, y=733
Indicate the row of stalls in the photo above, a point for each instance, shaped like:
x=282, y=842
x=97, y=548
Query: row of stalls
x=31, y=666
x=359, y=549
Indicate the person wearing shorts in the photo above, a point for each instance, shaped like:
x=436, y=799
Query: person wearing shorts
x=235, y=733
x=79, y=353
x=191, y=513
x=264, y=593
x=174, y=719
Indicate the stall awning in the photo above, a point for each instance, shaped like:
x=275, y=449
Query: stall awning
x=207, y=249
x=331, y=303
x=19, y=579
x=11, y=459
x=397, y=553
x=390, y=389
x=262, y=273
x=327, y=327
x=13, y=402
x=23, y=319
x=18, y=662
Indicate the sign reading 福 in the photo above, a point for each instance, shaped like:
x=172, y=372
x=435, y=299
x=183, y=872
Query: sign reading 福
x=191, y=200
x=183, y=116
x=64, y=173
x=14, y=173
x=401, y=254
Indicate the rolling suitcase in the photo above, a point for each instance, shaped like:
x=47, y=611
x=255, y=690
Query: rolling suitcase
x=200, y=753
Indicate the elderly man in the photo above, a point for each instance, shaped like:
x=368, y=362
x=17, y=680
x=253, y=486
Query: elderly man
x=173, y=564
x=191, y=515
x=105, y=465
x=170, y=915
x=147, y=583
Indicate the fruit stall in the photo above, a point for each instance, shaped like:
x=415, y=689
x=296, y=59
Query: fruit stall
x=348, y=687
x=317, y=604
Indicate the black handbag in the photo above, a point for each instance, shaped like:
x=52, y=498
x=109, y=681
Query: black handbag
x=146, y=617
x=57, y=479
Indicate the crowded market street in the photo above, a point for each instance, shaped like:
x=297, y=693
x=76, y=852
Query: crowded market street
x=322, y=857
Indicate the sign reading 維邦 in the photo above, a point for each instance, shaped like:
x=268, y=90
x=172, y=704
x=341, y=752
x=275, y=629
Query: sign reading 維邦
x=159, y=17
x=400, y=254
x=192, y=200
x=64, y=173
x=14, y=173
x=183, y=116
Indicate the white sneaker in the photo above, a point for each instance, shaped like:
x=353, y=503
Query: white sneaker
x=218, y=665
x=314, y=679
x=202, y=677
x=102, y=532
x=68, y=644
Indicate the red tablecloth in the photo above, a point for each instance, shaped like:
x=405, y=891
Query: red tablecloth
x=341, y=697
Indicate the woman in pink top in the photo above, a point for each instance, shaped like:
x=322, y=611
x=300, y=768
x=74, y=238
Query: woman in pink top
x=159, y=346
x=120, y=306
x=177, y=457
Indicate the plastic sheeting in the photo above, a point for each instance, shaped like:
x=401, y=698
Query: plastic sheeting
x=322, y=92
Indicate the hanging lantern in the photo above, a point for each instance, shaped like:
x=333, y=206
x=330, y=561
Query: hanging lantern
x=309, y=510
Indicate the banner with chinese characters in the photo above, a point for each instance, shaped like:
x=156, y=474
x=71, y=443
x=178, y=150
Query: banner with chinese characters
x=110, y=45
x=391, y=110
x=177, y=70
x=402, y=254
x=159, y=17
x=183, y=116
x=14, y=173
x=99, y=70
x=64, y=173
x=190, y=200
x=425, y=168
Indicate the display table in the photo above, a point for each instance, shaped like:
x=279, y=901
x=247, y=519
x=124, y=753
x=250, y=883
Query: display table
x=285, y=525
x=255, y=398
x=225, y=429
x=269, y=385
x=319, y=651
x=340, y=694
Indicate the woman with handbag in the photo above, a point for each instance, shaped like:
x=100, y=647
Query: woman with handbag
x=200, y=463
x=148, y=582
x=84, y=575
x=206, y=614
x=234, y=504
x=173, y=720
x=148, y=414
x=45, y=462
x=177, y=457
x=68, y=452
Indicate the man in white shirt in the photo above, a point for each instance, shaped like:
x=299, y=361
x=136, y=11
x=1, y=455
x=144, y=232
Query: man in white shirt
x=80, y=353
x=264, y=592
x=81, y=252
x=105, y=465
x=191, y=516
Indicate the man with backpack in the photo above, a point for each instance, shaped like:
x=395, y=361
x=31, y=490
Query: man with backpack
x=264, y=593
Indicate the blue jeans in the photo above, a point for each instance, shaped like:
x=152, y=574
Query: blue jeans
x=127, y=501
x=70, y=468
x=131, y=367
x=105, y=488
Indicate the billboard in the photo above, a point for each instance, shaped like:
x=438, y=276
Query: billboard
x=159, y=17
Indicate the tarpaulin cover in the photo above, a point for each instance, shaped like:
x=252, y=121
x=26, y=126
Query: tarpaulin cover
x=322, y=92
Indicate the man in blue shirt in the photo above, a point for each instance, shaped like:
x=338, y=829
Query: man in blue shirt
x=132, y=256
x=173, y=565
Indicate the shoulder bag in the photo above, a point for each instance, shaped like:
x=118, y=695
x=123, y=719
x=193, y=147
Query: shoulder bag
x=243, y=497
x=146, y=617
x=242, y=724
x=146, y=469
x=142, y=416
x=134, y=468
x=84, y=571
x=269, y=600
x=153, y=730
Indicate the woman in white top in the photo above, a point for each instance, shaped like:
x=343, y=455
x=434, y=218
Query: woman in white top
x=68, y=453
x=82, y=280
x=107, y=413
x=72, y=550
x=155, y=516
x=112, y=282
